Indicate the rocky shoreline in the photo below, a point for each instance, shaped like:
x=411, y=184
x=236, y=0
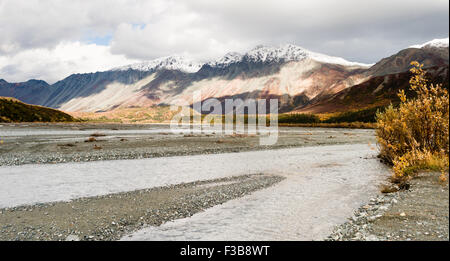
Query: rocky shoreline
x=359, y=226
x=419, y=213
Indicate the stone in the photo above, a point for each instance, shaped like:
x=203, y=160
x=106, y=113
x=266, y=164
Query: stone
x=383, y=208
x=72, y=238
x=372, y=238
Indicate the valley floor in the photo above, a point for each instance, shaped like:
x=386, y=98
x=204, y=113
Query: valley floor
x=301, y=195
x=147, y=183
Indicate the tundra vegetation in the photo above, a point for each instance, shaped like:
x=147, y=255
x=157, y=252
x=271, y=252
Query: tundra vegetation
x=13, y=110
x=362, y=118
x=415, y=135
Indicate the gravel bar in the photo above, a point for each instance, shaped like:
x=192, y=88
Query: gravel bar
x=112, y=216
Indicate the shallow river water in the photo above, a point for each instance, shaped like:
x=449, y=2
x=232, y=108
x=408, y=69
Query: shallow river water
x=323, y=185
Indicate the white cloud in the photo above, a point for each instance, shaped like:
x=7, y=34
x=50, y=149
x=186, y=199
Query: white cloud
x=205, y=29
x=202, y=29
x=59, y=62
x=35, y=23
x=170, y=36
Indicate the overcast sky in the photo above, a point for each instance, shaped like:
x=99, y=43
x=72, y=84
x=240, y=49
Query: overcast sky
x=51, y=39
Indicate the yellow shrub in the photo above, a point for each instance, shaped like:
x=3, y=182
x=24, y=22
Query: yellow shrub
x=416, y=134
x=409, y=163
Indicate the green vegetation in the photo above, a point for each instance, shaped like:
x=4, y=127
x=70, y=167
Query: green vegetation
x=298, y=118
x=364, y=115
x=356, y=119
x=12, y=110
x=364, y=118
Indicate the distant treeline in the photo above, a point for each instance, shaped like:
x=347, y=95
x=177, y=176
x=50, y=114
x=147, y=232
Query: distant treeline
x=298, y=118
x=364, y=115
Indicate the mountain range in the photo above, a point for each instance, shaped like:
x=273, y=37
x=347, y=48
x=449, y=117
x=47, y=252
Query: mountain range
x=302, y=80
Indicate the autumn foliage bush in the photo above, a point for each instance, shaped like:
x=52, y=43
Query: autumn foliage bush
x=415, y=135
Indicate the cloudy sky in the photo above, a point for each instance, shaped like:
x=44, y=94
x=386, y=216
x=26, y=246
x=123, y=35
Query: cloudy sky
x=51, y=39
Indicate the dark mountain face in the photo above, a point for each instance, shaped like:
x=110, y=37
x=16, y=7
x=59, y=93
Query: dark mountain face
x=377, y=91
x=32, y=92
x=401, y=61
x=386, y=78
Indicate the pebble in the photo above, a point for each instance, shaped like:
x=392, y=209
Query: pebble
x=359, y=224
x=72, y=238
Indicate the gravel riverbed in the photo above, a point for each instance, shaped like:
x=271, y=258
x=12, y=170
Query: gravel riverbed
x=420, y=213
x=112, y=216
x=60, y=143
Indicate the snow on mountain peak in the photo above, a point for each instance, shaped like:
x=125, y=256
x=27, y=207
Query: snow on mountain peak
x=286, y=52
x=226, y=60
x=261, y=53
x=438, y=43
x=335, y=60
x=282, y=53
x=290, y=52
x=170, y=63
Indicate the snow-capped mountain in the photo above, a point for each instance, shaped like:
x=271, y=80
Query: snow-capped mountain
x=437, y=43
x=290, y=52
x=282, y=53
x=430, y=54
x=259, y=54
x=297, y=76
x=286, y=70
x=226, y=60
x=170, y=63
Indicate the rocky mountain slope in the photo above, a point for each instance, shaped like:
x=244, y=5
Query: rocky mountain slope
x=433, y=53
x=378, y=91
x=385, y=79
x=32, y=91
x=299, y=78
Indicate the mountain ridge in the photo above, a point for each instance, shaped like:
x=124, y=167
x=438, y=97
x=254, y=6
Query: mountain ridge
x=260, y=53
x=288, y=72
